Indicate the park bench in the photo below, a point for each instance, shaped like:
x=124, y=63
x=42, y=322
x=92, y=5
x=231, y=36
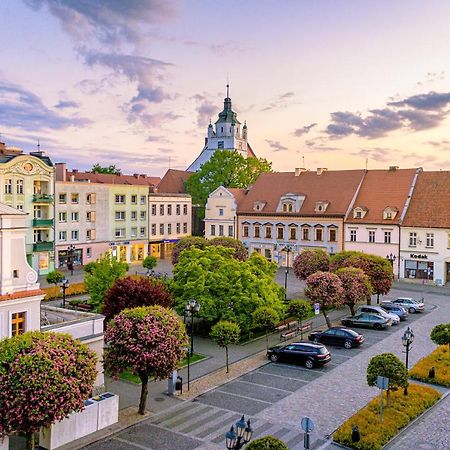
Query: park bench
x=290, y=333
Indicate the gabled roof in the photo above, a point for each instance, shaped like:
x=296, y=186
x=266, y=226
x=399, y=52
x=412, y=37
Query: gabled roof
x=337, y=186
x=173, y=181
x=239, y=195
x=6, y=210
x=106, y=178
x=383, y=189
x=430, y=204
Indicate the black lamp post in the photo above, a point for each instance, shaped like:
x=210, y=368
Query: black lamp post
x=64, y=286
x=191, y=308
x=70, y=257
x=407, y=340
x=235, y=440
x=286, y=249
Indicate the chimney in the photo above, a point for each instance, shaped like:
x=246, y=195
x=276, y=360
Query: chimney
x=135, y=175
x=143, y=175
x=61, y=171
x=321, y=170
x=299, y=170
x=393, y=168
x=2, y=147
x=75, y=170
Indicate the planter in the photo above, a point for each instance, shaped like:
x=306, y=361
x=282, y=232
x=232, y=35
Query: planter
x=108, y=409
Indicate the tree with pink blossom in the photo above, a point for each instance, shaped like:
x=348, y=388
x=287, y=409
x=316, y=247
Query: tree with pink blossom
x=311, y=261
x=149, y=341
x=356, y=285
x=325, y=288
x=43, y=378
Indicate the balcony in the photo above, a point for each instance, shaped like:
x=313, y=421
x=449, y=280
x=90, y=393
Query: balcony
x=42, y=246
x=42, y=223
x=42, y=198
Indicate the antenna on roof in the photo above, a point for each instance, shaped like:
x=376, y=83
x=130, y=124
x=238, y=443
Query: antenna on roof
x=303, y=162
x=39, y=145
x=228, y=85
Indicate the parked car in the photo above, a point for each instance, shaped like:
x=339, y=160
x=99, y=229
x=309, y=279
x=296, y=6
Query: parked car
x=413, y=306
x=307, y=353
x=380, y=311
x=338, y=336
x=367, y=320
x=396, y=309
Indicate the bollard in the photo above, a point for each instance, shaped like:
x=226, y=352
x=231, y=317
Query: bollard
x=179, y=385
x=356, y=435
x=432, y=373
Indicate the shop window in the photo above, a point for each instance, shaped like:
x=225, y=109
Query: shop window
x=293, y=233
x=19, y=186
x=230, y=231
x=213, y=230
x=305, y=233
x=319, y=234
x=387, y=237
x=257, y=232
x=280, y=232
x=220, y=230
x=422, y=270
x=268, y=232
x=352, y=235
x=430, y=240
x=412, y=239
x=62, y=198
x=18, y=323
x=371, y=236
x=332, y=235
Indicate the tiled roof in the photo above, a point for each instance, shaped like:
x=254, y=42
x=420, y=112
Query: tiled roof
x=9, y=210
x=336, y=187
x=21, y=294
x=430, y=204
x=381, y=189
x=239, y=194
x=250, y=152
x=106, y=178
x=173, y=181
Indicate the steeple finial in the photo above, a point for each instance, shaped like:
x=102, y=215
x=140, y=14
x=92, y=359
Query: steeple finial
x=228, y=90
x=39, y=145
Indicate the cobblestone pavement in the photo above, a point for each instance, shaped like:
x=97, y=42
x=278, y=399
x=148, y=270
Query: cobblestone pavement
x=277, y=396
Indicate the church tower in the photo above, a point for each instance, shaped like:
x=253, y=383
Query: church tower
x=226, y=134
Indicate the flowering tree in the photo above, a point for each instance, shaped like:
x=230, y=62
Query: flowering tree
x=326, y=289
x=43, y=378
x=225, y=333
x=131, y=292
x=265, y=318
x=240, y=252
x=356, y=286
x=311, y=261
x=149, y=341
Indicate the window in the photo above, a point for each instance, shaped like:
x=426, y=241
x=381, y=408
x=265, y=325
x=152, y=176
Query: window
x=430, y=240
x=133, y=215
x=230, y=231
x=185, y=211
x=8, y=186
x=412, y=239
x=268, y=254
x=15, y=273
x=371, y=236
x=143, y=199
x=280, y=232
x=134, y=199
x=74, y=199
x=213, y=230
x=20, y=206
x=88, y=252
x=153, y=210
x=185, y=227
x=62, y=217
x=388, y=215
x=169, y=228
x=143, y=215
x=358, y=214
x=75, y=216
x=120, y=215
x=75, y=235
x=62, y=198
x=90, y=199
x=19, y=186
x=38, y=212
x=133, y=232
x=257, y=231
x=305, y=233
x=161, y=210
x=387, y=237
x=287, y=207
x=18, y=323
x=245, y=229
x=178, y=209
x=178, y=228
x=119, y=232
x=169, y=210
x=142, y=231
x=120, y=199
x=220, y=230
x=161, y=228
x=90, y=216
x=268, y=230
x=332, y=235
x=448, y=240
x=293, y=233
x=319, y=234
x=153, y=229
x=90, y=235
x=220, y=144
x=352, y=235
x=63, y=235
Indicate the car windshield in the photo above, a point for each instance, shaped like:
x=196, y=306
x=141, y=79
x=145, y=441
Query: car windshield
x=322, y=351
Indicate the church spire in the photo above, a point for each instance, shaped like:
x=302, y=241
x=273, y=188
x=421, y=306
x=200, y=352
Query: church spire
x=227, y=101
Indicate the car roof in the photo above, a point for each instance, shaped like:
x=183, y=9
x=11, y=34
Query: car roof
x=309, y=344
x=405, y=298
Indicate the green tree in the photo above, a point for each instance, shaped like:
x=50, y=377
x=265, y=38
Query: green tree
x=300, y=309
x=187, y=242
x=267, y=319
x=440, y=335
x=55, y=277
x=267, y=443
x=387, y=365
x=89, y=267
x=225, y=168
x=105, y=271
x=226, y=288
x=111, y=169
x=149, y=262
x=224, y=334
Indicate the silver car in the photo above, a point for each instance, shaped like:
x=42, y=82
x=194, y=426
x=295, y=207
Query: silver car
x=411, y=305
x=380, y=311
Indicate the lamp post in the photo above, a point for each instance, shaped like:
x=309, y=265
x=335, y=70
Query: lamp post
x=407, y=340
x=64, y=286
x=391, y=258
x=192, y=307
x=235, y=440
x=70, y=257
x=286, y=249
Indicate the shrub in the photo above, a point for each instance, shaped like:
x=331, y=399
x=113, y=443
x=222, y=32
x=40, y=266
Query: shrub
x=267, y=443
x=55, y=277
x=240, y=252
x=440, y=335
x=89, y=267
x=441, y=363
x=187, y=242
x=149, y=262
x=73, y=289
x=403, y=410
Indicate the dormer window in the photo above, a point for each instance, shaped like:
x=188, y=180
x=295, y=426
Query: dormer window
x=258, y=206
x=288, y=207
x=359, y=212
x=290, y=203
x=389, y=213
x=321, y=207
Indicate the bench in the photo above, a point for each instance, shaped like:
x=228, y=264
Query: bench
x=295, y=331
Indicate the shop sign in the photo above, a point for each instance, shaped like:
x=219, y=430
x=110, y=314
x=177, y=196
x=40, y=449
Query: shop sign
x=43, y=261
x=418, y=256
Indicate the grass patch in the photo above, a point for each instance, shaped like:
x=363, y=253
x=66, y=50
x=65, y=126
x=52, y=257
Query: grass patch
x=127, y=375
x=53, y=292
x=439, y=359
x=403, y=409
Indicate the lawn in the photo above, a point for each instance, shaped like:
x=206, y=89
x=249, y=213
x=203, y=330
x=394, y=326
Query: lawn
x=403, y=409
x=439, y=359
x=129, y=376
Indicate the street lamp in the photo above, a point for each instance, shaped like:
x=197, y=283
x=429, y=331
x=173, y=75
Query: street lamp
x=235, y=440
x=407, y=340
x=391, y=258
x=64, y=286
x=70, y=257
x=286, y=249
x=192, y=307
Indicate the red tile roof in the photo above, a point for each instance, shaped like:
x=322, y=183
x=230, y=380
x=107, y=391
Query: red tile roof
x=430, y=204
x=106, y=178
x=239, y=194
x=21, y=294
x=335, y=187
x=173, y=181
x=381, y=189
x=250, y=152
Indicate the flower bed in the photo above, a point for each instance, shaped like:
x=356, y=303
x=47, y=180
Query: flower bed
x=439, y=359
x=73, y=289
x=403, y=409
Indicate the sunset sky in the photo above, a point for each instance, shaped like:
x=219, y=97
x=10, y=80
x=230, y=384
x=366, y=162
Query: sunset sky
x=135, y=82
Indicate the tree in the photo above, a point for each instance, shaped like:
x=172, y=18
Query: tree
x=224, y=334
x=440, y=335
x=387, y=365
x=226, y=288
x=187, y=242
x=300, y=309
x=225, y=168
x=111, y=169
x=105, y=271
x=43, y=378
x=326, y=289
x=267, y=319
x=89, y=267
x=267, y=443
x=149, y=341
x=356, y=286
x=240, y=252
x=311, y=261
x=131, y=292
x=55, y=277
x=149, y=262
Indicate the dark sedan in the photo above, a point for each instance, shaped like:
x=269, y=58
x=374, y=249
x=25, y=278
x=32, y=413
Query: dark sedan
x=338, y=336
x=367, y=320
x=307, y=353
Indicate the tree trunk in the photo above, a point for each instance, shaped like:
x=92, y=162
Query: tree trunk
x=301, y=329
x=144, y=392
x=226, y=357
x=388, y=397
x=352, y=308
x=30, y=441
x=369, y=299
x=327, y=319
x=267, y=340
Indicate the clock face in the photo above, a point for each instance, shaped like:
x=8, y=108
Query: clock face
x=28, y=167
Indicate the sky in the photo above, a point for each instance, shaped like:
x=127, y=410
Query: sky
x=341, y=84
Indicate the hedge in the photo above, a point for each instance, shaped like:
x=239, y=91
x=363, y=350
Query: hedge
x=403, y=409
x=439, y=359
x=56, y=292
